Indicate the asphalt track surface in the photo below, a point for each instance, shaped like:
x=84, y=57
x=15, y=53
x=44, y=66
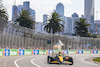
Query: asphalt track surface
x=80, y=60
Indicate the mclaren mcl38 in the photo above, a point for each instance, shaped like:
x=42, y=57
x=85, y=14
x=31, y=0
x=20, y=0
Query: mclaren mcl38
x=59, y=59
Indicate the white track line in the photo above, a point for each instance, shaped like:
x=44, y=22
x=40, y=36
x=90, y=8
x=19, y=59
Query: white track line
x=35, y=63
x=83, y=59
x=15, y=62
x=5, y=62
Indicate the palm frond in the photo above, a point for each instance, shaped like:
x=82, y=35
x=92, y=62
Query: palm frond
x=3, y=12
x=25, y=19
x=81, y=27
x=54, y=24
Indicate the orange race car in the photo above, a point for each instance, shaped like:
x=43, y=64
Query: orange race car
x=59, y=58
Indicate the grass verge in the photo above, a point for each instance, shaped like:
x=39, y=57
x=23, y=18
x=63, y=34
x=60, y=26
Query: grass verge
x=97, y=60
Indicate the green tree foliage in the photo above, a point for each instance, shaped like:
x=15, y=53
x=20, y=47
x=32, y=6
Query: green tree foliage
x=53, y=24
x=94, y=36
x=25, y=19
x=3, y=12
x=91, y=35
x=81, y=28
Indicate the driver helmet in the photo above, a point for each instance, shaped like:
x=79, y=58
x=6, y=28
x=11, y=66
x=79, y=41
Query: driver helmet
x=59, y=54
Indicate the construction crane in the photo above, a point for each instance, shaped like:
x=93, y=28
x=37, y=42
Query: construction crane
x=96, y=22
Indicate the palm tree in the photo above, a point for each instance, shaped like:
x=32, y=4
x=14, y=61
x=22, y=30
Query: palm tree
x=53, y=24
x=81, y=27
x=3, y=12
x=25, y=19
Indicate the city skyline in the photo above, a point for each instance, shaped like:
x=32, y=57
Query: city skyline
x=42, y=7
x=18, y=9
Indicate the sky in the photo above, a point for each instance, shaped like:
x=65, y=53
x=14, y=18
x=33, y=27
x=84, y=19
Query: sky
x=47, y=6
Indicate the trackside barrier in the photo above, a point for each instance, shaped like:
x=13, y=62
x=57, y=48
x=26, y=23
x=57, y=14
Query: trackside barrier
x=99, y=51
x=65, y=51
x=50, y=51
x=35, y=52
x=56, y=51
x=86, y=51
x=72, y=51
x=41, y=52
x=28, y=52
x=21, y=52
x=13, y=52
x=94, y=51
x=80, y=52
x=7, y=52
x=45, y=52
x=1, y=52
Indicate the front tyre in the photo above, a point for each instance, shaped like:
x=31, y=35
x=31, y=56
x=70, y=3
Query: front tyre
x=48, y=60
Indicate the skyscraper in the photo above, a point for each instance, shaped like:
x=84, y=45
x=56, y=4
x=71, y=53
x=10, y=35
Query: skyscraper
x=19, y=9
x=38, y=26
x=14, y=12
x=89, y=11
x=82, y=16
x=75, y=15
x=32, y=13
x=70, y=25
x=26, y=5
x=60, y=9
x=45, y=18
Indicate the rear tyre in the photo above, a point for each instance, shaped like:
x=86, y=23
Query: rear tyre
x=71, y=61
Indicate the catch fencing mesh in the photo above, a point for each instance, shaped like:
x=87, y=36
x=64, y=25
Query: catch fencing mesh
x=13, y=36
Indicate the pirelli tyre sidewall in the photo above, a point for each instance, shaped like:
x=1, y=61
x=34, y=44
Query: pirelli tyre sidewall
x=71, y=60
x=48, y=60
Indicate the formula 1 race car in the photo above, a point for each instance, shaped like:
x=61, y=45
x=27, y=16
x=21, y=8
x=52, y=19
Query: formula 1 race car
x=59, y=59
